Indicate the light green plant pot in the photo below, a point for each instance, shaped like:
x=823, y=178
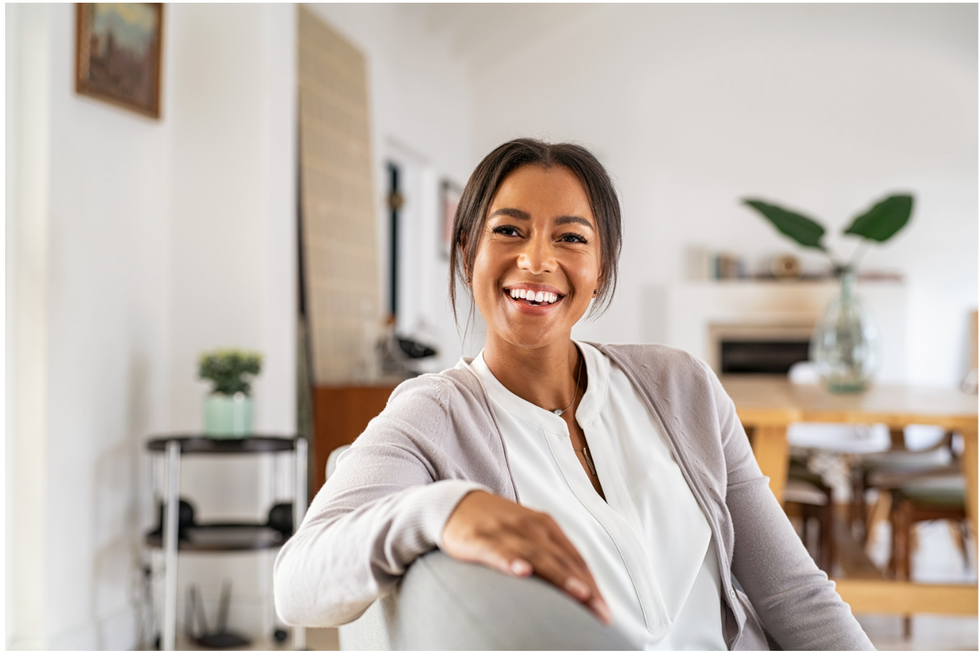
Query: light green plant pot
x=228, y=417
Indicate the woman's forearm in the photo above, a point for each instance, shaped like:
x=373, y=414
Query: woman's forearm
x=356, y=540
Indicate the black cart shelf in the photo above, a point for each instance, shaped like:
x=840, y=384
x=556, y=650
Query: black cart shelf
x=217, y=536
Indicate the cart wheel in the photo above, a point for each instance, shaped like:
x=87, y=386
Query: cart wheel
x=280, y=634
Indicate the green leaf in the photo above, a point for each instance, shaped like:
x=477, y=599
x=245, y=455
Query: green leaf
x=885, y=218
x=805, y=231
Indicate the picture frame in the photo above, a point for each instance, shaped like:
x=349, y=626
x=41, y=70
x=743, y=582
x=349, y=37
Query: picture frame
x=448, y=200
x=118, y=54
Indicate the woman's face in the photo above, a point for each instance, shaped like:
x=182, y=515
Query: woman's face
x=538, y=261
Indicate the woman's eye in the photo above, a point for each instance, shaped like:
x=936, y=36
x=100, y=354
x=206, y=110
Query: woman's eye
x=505, y=230
x=573, y=237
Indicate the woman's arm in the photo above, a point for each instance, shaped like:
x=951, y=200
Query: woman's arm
x=380, y=510
x=797, y=604
x=399, y=492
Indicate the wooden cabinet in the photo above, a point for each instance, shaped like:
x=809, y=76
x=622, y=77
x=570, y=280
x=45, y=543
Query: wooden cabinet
x=341, y=412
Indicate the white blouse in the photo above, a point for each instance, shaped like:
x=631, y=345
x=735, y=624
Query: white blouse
x=648, y=544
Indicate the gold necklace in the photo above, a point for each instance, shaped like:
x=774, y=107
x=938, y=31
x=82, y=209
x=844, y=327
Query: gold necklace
x=578, y=379
x=588, y=458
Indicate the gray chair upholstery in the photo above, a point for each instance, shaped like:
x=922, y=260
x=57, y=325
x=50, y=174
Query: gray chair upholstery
x=442, y=603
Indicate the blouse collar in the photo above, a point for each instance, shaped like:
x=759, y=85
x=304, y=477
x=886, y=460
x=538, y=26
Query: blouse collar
x=597, y=368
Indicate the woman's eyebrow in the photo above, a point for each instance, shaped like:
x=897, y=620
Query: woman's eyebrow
x=512, y=212
x=573, y=219
x=516, y=213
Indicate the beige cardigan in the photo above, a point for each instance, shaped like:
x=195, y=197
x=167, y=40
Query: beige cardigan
x=394, y=489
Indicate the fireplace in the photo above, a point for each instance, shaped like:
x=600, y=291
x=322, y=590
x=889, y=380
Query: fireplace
x=756, y=348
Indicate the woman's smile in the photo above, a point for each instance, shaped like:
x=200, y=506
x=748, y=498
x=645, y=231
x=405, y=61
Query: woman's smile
x=533, y=298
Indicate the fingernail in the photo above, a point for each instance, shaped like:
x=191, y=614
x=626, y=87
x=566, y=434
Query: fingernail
x=577, y=588
x=602, y=610
x=520, y=567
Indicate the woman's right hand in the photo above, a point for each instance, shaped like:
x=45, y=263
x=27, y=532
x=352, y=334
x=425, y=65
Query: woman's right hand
x=503, y=535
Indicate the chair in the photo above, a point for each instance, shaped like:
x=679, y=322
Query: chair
x=807, y=492
x=933, y=498
x=332, y=459
x=819, y=456
x=442, y=603
x=891, y=469
x=907, y=465
x=814, y=500
x=923, y=485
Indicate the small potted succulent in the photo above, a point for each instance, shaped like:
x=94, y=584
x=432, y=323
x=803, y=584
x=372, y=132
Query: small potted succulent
x=228, y=408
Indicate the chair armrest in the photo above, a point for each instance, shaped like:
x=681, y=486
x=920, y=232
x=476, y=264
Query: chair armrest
x=442, y=603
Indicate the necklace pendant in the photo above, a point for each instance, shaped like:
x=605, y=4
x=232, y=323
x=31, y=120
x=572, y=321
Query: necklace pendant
x=557, y=412
x=588, y=460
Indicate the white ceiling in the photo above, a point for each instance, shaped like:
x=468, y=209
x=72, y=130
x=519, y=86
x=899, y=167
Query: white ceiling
x=482, y=33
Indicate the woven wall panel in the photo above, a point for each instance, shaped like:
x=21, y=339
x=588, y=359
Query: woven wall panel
x=339, y=243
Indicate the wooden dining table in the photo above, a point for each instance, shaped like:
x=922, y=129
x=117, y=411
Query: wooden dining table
x=768, y=405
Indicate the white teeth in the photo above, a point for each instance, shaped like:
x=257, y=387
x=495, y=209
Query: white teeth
x=534, y=297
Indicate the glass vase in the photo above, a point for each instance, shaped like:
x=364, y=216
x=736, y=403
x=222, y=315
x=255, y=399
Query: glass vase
x=845, y=343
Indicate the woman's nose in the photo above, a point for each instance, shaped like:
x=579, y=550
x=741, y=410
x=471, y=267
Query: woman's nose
x=537, y=256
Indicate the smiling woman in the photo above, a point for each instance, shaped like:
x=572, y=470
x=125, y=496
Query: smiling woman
x=619, y=475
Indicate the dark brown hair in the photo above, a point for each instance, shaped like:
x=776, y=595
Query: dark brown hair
x=471, y=212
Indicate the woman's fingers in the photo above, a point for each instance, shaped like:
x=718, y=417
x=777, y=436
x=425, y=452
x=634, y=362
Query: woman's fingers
x=513, y=539
x=520, y=567
x=554, y=567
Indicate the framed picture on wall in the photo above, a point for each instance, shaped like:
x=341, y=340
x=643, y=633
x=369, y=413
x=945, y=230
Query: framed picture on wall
x=117, y=54
x=449, y=199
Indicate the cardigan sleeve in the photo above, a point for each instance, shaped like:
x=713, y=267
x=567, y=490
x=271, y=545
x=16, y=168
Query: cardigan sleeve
x=386, y=504
x=798, y=605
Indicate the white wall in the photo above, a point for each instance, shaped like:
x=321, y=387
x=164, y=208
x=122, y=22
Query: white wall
x=232, y=275
x=91, y=194
x=821, y=107
x=421, y=115
x=136, y=244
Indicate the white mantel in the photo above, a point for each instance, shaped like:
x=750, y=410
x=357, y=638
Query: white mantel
x=682, y=315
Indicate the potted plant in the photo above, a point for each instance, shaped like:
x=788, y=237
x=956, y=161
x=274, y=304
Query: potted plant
x=845, y=342
x=228, y=408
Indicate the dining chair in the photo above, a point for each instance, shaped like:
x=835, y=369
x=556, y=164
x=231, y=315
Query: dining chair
x=921, y=500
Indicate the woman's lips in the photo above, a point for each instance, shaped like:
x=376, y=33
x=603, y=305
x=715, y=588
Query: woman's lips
x=530, y=304
x=532, y=296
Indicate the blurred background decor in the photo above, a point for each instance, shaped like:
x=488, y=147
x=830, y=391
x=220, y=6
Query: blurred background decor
x=845, y=343
x=134, y=244
x=118, y=54
x=228, y=408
